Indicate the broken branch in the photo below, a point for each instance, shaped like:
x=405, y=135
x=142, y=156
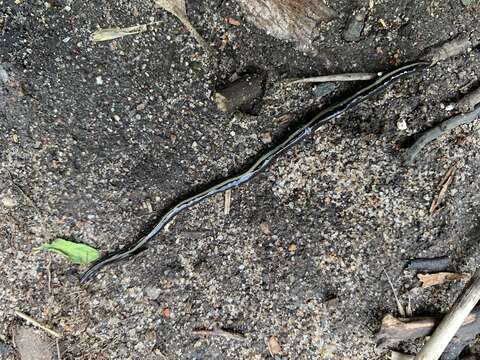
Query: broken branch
x=452, y=322
x=439, y=130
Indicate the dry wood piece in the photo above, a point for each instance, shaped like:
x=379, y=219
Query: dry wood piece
x=336, y=77
x=452, y=322
x=439, y=130
x=440, y=263
x=354, y=28
x=293, y=20
x=439, y=278
x=240, y=94
x=218, y=332
x=394, y=330
x=469, y=102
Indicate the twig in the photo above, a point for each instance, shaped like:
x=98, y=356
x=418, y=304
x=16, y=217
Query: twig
x=59, y=354
x=446, y=330
x=336, y=77
x=228, y=201
x=37, y=324
x=49, y=274
x=439, y=130
x=395, y=355
x=218, y=332
x=444, y=184
x=401, y=310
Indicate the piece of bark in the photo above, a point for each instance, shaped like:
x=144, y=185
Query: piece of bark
x=452, y=322
x=240, y=94
x=436, y=264
x=293, y=20
x=354, y=28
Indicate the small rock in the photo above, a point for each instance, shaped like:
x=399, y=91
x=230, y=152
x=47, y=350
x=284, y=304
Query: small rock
x=274, y=346
x=32, y=344
x=4, y=350
x=99, y=80
x=324, y=89
x=354, y=28
x=3, y=74
x=152, y=292
x=402, y=125
x=266, y=138
x=9, y=202
x=265, y=228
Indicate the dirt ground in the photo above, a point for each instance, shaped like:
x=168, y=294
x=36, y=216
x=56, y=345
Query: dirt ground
x=98, y=140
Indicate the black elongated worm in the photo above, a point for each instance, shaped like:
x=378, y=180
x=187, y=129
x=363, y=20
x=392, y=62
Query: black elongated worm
x=265, y=160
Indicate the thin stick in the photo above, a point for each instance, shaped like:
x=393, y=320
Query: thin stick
x=218, y=332
x=49, y=274
x=395, y=355
x=228, y=202
x=37, y=324
x=444, y=184
x=336, y=77
x=401, y=310
x=450, y=324
x=59, y=354
x=438, y=131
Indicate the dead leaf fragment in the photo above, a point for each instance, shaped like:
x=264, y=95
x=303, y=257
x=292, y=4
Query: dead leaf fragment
x=274, y=346
x=178, y=9
x=439, y=278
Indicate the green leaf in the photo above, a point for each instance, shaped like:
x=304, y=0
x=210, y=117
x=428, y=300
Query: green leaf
x=467, y=2
x=77, y=253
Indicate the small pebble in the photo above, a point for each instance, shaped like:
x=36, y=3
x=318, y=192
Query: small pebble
x=9, y=202
x=402, y=125
x=324, y=89
x=99, y=80
x=152, y=292
x=3, y=74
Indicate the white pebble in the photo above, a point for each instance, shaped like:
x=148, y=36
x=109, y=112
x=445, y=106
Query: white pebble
x=401, y=124
x=99, y=80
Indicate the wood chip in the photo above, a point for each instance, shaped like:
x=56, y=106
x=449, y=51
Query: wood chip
x=440, y=278
x=274, y=346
